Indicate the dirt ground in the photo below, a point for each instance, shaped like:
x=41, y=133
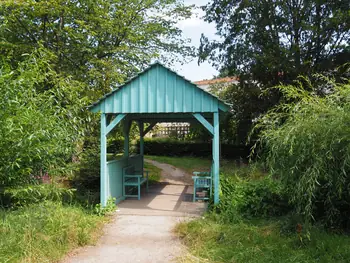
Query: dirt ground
x=141, y=230
x=172, y=174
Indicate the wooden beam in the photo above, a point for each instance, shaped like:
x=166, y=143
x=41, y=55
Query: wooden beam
x=116, y=120
x=142, y=148
x=126, y=132
x=103, y=177
x=149, y=128
x=216, y=158
x=204, y=122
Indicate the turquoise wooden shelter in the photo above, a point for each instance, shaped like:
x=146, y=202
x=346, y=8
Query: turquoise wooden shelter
x=155, y=95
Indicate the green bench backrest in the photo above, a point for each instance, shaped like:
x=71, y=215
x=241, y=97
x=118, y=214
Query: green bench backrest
x=203, y=181
x=129, y=170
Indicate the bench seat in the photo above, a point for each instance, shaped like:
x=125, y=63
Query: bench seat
x=134, y=179
x=201, y=180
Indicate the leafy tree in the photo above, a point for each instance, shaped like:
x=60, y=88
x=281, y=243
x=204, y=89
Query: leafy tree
x=98, y=42
x=270, y=42
x=93, y=46
x=39, y=127
x=274, y=41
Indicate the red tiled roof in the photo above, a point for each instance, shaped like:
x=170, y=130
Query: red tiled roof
x=216, y=81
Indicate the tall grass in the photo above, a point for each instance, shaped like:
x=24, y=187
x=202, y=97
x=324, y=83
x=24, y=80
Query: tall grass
x=257, y=241
x=45, y=232
x=308, y=147
x=253, y=224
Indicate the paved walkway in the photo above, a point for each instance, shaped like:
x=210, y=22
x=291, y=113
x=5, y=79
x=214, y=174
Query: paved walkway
x=142, y=229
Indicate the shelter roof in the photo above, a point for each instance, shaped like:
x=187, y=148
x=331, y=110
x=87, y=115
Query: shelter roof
x=158, y=89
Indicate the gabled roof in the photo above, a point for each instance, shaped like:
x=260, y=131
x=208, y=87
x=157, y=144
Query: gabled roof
x=158, y=89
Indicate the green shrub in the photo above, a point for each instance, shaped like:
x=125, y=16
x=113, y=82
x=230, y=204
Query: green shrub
x=33, y=194
x=172, y=147
x=40, y=119
x=308, y=143
x=108, y=209
x=251, y=198
x=87, y=177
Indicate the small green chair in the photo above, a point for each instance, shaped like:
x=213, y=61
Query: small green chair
x=202, y=180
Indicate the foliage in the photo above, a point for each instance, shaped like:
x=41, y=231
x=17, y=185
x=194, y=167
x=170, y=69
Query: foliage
x=275, y=41
x=45, y=232
x=260, y=241
x=171, y=147
x=98, y=42
x=87, y=176
x=247, y=103
x=34, y=194
x=81, y=49
x=307, y=139
x=261, y=197
x=39, y=119
x=105, y=210
x=266, y=43
x=248, y=227
x=228, y=126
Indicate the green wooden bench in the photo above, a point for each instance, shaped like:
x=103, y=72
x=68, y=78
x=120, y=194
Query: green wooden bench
x=132, y=178
x=201, y=180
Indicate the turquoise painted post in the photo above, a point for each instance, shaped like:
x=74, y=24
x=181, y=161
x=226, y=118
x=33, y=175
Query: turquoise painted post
x=126, y=130
x=103, y=168
x=216, y=158
x=142, y=149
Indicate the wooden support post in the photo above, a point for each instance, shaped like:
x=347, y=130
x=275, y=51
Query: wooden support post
x=216, y=158
x=103, y=168
x=126, y=131
x=142, y=150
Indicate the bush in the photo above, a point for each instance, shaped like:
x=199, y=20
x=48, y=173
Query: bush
x=308, y=143
x=115, y=145
x=171, y=147
x=88, y=176
x=40, y=119
x=244, y=197
x=108, y=209
x=33, y=194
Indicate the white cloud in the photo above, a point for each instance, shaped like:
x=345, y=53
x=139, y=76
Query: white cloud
x=193, y=28
x=194, y=21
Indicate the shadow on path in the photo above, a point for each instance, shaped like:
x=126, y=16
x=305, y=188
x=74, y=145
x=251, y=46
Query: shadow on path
x=141, y=230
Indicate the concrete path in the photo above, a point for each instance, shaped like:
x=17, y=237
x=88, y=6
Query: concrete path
x=141, y=231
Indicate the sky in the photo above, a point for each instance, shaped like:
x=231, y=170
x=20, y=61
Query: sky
x=193, y=28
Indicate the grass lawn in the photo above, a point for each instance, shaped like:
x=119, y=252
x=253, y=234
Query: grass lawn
x=192, y=164
x=189, y=164
x=46, y=232
x=154, y=172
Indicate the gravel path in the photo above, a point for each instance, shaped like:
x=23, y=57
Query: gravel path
x=146, y=235
x=131, y=239
x=172, y=174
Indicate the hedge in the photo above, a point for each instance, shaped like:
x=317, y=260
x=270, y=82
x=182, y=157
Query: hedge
x=173, y=147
